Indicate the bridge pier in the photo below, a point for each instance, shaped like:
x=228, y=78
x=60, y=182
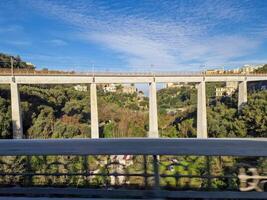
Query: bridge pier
x=94, y=111
x=242, y=94
x=201, y=111
x=153, y=111
x=16, y=112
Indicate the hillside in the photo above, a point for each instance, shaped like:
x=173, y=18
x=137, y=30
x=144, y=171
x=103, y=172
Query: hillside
x=5, y=62
x=63, y=112
x=262, y=69
x=58, y=111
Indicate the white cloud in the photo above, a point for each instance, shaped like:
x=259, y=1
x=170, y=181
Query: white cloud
x=18, y=42
x=57, y=42
x=11, y=29
x=218, y=50
x=171, y=35
x=140, y=51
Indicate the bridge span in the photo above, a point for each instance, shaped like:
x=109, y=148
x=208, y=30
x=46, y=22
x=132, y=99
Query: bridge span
x=114, y=77
x=75, y=78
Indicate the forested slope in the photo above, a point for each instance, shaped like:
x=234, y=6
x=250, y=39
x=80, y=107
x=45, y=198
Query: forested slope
x=62, y=112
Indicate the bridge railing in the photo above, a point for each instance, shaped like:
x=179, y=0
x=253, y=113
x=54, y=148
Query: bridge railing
x=16, y=71
x=152, y=168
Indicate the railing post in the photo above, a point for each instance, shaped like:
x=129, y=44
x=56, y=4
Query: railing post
x=156, y=171
x=242, y=94
x=208, y=165
x=201, y=111
x=94, y=112
x=153, y=111
x=145, y=171
x=29, y=171
x=86, y=170
x=16, y=112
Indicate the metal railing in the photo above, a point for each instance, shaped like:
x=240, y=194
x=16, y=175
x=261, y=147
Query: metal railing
x=26, y=72
x=135, y=168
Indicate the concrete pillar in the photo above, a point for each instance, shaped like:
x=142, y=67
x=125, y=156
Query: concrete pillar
x=94, y=112
x=201, y=111
x=153, y=111
x=16, y=112
x=242, y=94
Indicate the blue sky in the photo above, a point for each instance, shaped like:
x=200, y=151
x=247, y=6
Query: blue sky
x=134, y=35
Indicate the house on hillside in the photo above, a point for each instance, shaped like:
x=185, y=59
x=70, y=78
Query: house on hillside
x=249, y=68
x=30, y=65
x=129, y=89
x=81, y=88
x=228, y=90
x=214, y=71
x=109, y=87
x=178, y=85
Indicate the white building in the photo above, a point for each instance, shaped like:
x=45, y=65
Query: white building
x=228, y=90
x=81, y=88
x=249, y=68
x=178, y=85
x=129, y=89
x=29, y=64
x=109, y=87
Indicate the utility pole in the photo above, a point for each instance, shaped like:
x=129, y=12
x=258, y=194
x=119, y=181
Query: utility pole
x=93, y=69
x=204, y=69
x=151, y=69
x=12, y=67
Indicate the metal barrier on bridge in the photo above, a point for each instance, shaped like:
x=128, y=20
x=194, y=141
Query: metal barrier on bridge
x=22, y=71
x=135, y=168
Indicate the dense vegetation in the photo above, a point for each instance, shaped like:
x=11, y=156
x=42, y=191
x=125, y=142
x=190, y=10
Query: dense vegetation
x=262, y=69
x=5, y=62
x=63, y=112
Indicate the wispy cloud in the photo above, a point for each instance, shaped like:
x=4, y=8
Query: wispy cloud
x=168, y=34
x=11, y=28
x=18, y=42
x=60, y=62
x=57, y=42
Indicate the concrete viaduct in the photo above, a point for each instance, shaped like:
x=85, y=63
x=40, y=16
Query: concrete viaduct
x=148, y=78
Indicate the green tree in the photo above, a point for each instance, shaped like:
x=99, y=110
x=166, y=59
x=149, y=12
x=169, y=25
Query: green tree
x=262, y=69
x=5, y=119
x=254, y=115
x=43, y=125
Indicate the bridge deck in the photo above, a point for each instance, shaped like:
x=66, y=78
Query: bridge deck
x=125, y=78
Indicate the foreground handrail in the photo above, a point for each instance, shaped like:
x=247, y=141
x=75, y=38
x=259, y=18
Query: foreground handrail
x=139, y=146
x=158, y=162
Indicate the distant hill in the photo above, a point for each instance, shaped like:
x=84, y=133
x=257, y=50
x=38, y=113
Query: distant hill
x=5, y=62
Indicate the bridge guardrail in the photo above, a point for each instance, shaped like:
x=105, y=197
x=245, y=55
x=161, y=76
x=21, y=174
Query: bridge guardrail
x=150, y=168
x=6, y=71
